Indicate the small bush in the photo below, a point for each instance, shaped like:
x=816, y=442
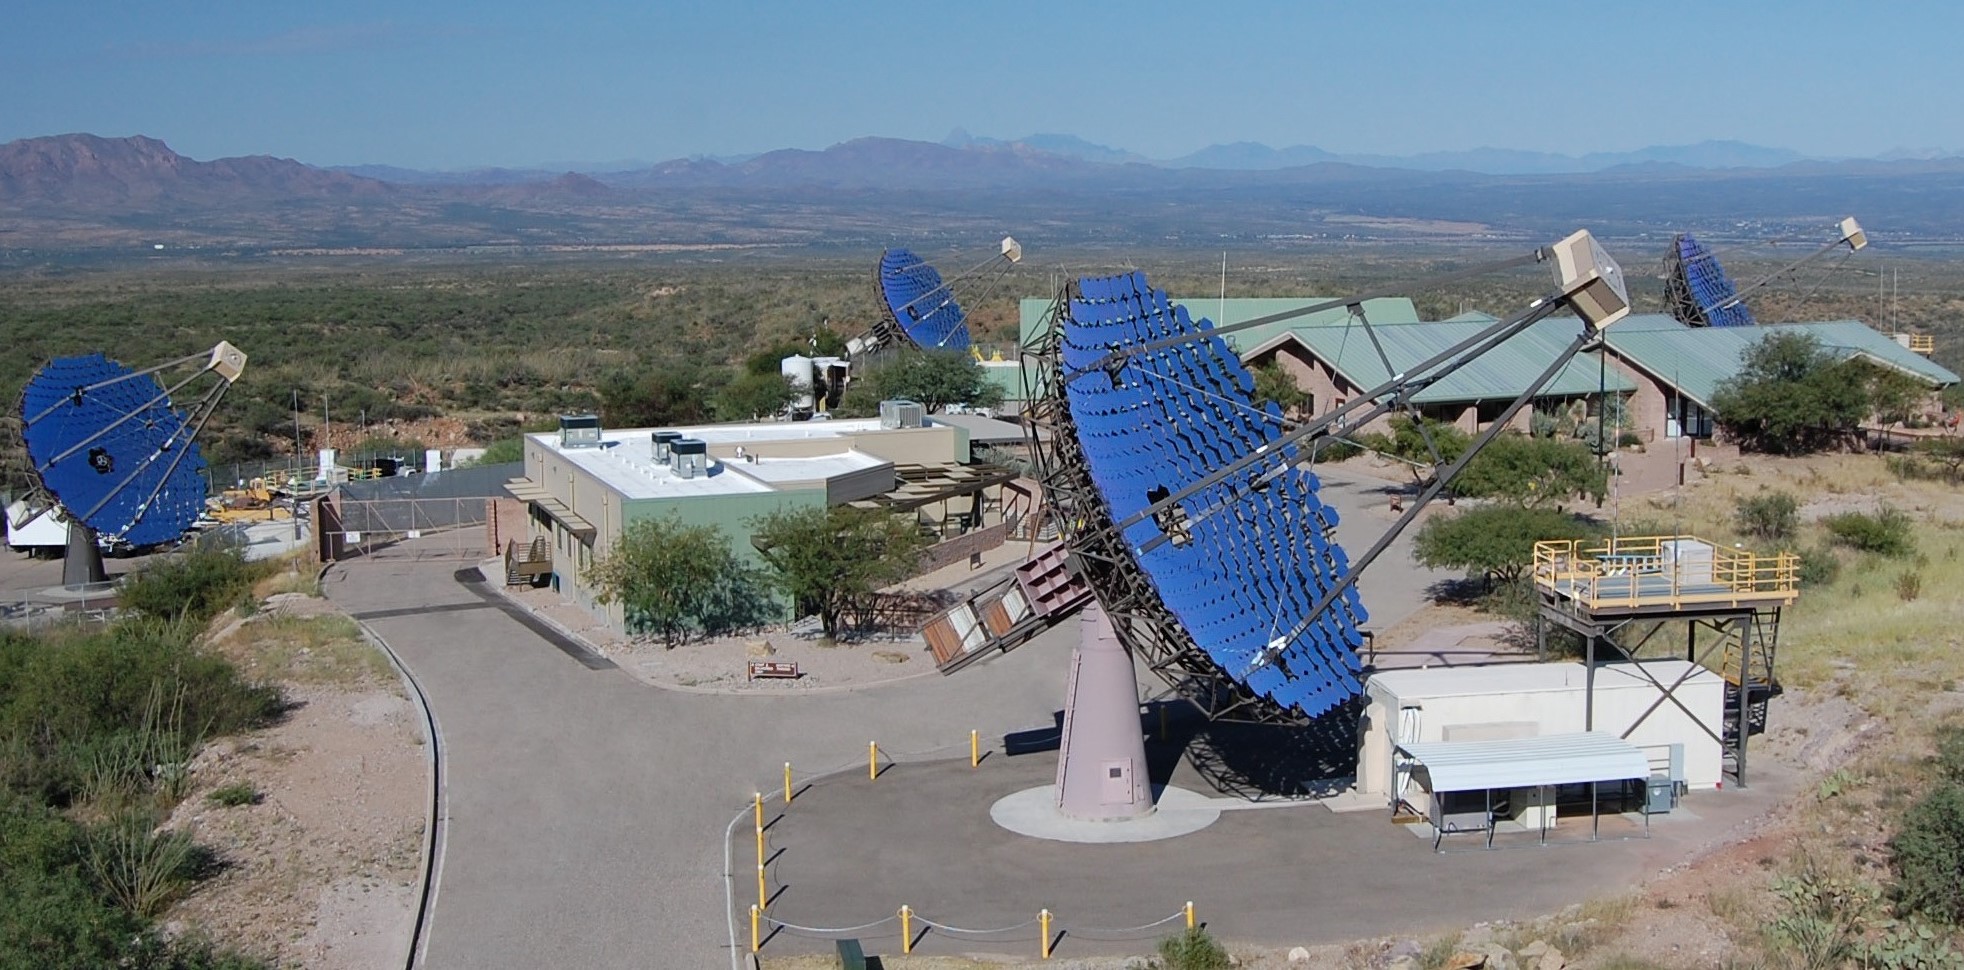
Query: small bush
x=1194, y=949
x=234, y=795
x=142, y=869
x=1928, y=854
x=1629, y=439
x=196, y=585
x=1909, y=585
x=1888, y=532
x=1772, y=516
x=1950, y=754
x=1337, y=449
x=1819, y=566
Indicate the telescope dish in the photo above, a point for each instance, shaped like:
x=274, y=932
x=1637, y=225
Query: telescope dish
x=111, y=447
x=1226, y=597
x=918, y=306
x=1697, y=289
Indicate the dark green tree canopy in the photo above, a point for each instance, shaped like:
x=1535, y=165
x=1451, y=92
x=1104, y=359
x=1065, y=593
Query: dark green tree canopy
x=831, y=561
x=1494, y=541
x=1533, y=471
x=676, y=580
x=935, y=378
x=1793, y=397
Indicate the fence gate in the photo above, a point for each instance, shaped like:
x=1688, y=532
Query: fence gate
x=354, y=530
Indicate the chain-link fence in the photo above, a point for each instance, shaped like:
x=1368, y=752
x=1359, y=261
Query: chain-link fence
x=432, y=516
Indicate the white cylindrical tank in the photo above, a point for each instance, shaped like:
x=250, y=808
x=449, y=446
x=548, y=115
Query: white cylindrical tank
x=798, y=369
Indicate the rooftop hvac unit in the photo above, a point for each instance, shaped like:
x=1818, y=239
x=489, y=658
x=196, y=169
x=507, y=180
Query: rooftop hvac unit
x=688, y=457
x=663, y=440
x=579, y=431
x=901, y=414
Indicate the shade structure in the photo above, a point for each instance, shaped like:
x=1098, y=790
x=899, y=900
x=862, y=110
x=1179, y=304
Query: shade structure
x=1698, y=290
x=919, y=304
x=1247, y=557
x=1556, y=759
x=111, y=448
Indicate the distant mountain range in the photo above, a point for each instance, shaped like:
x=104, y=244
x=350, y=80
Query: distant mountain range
x=84, y=191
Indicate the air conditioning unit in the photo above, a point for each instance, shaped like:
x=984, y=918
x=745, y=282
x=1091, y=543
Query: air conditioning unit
x=688, y=457
x=663, y=440
x=902, y=414
x=579, y=431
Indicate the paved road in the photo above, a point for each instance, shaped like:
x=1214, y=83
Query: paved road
x=587, y=810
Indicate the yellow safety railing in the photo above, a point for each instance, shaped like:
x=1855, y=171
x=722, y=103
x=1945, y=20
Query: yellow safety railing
x=1662, y=571
x=1922, y=343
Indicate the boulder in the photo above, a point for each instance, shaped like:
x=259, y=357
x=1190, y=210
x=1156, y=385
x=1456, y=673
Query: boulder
x=1299, y=955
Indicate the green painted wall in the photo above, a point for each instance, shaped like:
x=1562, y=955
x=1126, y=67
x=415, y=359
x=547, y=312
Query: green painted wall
x=730, y=513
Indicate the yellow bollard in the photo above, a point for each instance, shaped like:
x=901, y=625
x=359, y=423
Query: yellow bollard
x=763, y=901
x=873, y=761
x=974, y=748
x=756, y=941
x=760, y=847
x=906, y=930
x=1044, y=918
x=1189, y=914
x=787, y=783
x=760, y=808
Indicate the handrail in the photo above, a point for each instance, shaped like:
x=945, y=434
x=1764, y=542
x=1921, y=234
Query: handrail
x=1632, y=571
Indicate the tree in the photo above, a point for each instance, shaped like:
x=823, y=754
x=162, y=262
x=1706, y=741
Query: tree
x=1494, y=541
x=1894, y=396
x=754, y=395
x=1274, y=384
x=503, y=452
x=832, y=560
x=677, y=580
x=935, y=378
x=1792, y=397
x=1533, y=472
x=671, y=392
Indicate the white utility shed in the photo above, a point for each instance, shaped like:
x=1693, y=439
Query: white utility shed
x=1509, y=701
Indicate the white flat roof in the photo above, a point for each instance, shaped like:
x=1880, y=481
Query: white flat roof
x=738, y=434
x=625, y=462
x=1525, y=678
x=1555, y=759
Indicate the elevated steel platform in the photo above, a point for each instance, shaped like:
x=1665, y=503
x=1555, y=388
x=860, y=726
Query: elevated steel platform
x=1619, y=594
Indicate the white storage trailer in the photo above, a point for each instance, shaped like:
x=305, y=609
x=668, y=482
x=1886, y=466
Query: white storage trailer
x=1511, y=701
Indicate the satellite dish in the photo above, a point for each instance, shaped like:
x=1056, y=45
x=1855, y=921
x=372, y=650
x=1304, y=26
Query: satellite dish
x=112, y=449
x=919, y=308
x=1698, y=291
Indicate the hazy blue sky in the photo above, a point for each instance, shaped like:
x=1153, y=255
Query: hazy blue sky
x=492, y=82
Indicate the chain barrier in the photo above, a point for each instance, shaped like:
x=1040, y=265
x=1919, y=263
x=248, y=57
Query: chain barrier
x=885, y=756
x=945, y=928
x=823, y=930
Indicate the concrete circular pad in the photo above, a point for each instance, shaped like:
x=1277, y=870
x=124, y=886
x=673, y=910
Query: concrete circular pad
x=1033, y=812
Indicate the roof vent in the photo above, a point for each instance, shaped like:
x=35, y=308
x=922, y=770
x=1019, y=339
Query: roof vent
x=579, y=431
x=663, y=440
x=688, y=457
x=901, y=414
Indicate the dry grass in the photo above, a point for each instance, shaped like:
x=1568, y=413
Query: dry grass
x=324, y=649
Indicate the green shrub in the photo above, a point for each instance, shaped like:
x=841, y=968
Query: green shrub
x=1950, y=754
x=92, y=712
x=1928, y=855
x=234, y=795
x=1772, y=516
x=1193, y=949
x=1819, y=566
x=1909, y=585
x=1888, y=532
x=195, y=585
x=142, y=869
x=1337, y=449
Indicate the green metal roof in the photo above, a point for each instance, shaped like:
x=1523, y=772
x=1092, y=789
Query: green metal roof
x=1498, y=375
x=1695, y=360
x=1234, y=310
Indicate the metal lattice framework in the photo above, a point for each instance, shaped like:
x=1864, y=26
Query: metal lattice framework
x=1103, y=556
x=1305, y=674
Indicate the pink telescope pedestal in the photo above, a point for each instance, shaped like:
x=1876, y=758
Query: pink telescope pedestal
x=1101, y=772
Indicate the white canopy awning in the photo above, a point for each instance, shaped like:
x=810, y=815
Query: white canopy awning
x=1557, y=759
